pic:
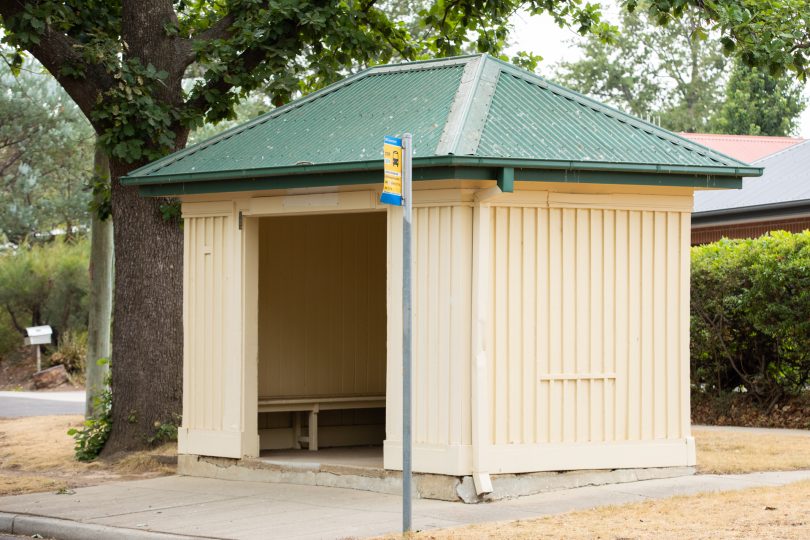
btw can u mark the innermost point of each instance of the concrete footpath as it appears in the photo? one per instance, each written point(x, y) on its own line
point(184, 507)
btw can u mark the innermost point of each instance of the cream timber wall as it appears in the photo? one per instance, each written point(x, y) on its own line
point(578, 338)
point(550, 331)
point(219, 327)
point(322, 305)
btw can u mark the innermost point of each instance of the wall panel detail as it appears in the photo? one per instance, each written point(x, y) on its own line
point(209, 271)
point(218, 352)
point(589, 313)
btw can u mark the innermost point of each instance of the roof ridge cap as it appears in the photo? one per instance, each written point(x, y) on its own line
point(460, 107)
point(782, 151)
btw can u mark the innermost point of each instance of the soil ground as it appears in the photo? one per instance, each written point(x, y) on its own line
point(17, 367)
point(741, 410)
point(36, 454)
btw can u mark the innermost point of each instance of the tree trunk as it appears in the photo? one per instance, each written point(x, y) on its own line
point(101, 282)
point(147, 317)
point(147, 364)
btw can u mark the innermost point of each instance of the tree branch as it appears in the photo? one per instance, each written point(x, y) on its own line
point(56, 49)
point(250, 59)
point(219, 30)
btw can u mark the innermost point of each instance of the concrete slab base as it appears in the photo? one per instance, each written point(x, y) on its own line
point(426, 486)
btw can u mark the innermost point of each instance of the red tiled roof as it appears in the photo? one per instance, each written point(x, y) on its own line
point(748, 148)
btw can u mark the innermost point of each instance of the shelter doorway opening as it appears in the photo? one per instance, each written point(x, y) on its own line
point(322, 336)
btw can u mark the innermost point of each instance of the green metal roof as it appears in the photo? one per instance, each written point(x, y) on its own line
point(473, 113)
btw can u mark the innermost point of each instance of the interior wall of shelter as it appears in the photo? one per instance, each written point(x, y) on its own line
point(322, 315)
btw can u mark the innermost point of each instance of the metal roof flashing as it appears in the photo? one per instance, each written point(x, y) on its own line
point(471, 115)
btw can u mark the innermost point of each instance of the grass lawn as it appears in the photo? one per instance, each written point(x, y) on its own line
point(780, 512)
point(36, 454)
point(726, 452)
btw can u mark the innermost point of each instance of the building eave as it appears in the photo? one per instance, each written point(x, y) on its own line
point(442, 167)
point(785, 209)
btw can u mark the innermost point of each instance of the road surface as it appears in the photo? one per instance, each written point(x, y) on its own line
point(17, 404)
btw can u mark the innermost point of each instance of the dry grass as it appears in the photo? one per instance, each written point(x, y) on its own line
point(781, 512)
point(36, 454)
point(723, 452)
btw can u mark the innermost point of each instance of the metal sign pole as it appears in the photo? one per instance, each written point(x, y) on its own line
point(406, 333)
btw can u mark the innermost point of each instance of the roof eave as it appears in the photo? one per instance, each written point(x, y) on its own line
point(437, 168)
point(760, 211)
point(443, 161)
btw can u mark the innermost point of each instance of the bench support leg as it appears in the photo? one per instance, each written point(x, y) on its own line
point(296, 422)
point(313, 429)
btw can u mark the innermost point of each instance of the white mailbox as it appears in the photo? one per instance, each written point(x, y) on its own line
point(38, 335)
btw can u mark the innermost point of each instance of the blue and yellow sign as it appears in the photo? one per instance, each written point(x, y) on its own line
point(392, 170)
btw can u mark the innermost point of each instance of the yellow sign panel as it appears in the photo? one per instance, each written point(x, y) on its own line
point(392, 168)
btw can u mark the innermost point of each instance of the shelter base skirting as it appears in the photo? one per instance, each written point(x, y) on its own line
point(523, 458)
point(454, 459)
point(530, 458)
point(427, 486)
point(230, 444)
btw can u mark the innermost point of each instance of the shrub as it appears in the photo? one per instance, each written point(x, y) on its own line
point(43, 284)
point(71, 352)
point(92, 436)
point(751, 316)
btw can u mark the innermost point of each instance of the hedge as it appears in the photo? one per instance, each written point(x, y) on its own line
point(750, 306)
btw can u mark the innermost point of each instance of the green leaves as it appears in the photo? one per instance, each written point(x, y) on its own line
point(92, 436)
point(773, 35)
point(668, 73)
point(751, 315)
point(134, 124)
point(45, 153)
point(757, 103)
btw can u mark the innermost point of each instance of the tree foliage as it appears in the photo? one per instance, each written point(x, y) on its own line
point(45, 145)
point(677, 75)
point(43, 284)
point(667, 73)
point(757, 103)
point(770, 34)
point(751, 316)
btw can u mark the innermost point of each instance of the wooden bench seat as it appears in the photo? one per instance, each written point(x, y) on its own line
point(313, 405)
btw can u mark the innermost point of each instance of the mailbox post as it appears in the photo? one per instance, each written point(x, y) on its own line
point(38, 335)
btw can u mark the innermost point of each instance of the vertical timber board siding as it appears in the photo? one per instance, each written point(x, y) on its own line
point(209, 275)
point(589, 322)
point(442, 303)
point(322, 307)
point(442, 284)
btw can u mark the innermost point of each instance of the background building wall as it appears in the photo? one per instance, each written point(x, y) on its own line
point(704, 234)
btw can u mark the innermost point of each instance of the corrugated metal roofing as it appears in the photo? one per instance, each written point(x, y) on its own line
point(786, 179)
point(338, 124)
point(530, 120)
point(747, 148)
point(467, 106)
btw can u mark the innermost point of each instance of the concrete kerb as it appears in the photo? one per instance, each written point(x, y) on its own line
point(66, 529)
